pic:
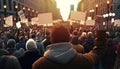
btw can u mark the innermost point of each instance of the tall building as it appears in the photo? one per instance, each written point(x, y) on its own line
point(100, 7)
point(30, 7)
point(44, 6)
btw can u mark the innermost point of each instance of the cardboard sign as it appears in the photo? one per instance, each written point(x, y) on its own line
point(90, 22)
point(45, 18)
point(117, 23)
point(74, 15)
point(9, 21)
point(18, 25)
point(21, 15)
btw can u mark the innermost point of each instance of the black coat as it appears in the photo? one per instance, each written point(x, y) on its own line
point(28, 58)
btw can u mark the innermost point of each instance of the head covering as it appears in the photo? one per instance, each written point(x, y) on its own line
point(59, 33)
point(11, 43)
point(31, 44)
point(1, 44)
point(74, 40)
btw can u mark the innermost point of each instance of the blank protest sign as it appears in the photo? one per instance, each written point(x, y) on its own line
point(9, 20)
point(45, 18)
point(74, 15)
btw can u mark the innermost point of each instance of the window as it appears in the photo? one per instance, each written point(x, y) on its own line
point(10, 5)
point(0, 4)
point(14, 3)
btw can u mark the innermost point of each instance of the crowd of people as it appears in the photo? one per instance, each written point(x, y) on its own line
point(58, 47)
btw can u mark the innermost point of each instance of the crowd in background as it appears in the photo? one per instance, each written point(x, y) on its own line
point(20, 48)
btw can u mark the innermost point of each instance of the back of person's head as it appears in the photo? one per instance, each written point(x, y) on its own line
point(109, 42)
point(59, 33)
point(117, 34)
point(75, 32)
point(75, 41)
point(31, 45)
point(9, 62)
point(11, 43)
point(1, 44)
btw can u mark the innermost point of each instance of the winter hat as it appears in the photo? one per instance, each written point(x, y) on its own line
point(11, 43)
point(31, 44)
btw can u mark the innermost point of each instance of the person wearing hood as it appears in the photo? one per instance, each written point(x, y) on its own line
point(61, 55)
point(7, 61)
point(75, 43)
point(11, 48)
point(31, 55)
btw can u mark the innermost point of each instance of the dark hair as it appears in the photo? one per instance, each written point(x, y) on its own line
point(11, 43)
point(75, 32)
point(59, 33)
point(1, 44)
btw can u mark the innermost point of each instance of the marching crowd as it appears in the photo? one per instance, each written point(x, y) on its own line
point(58, 47)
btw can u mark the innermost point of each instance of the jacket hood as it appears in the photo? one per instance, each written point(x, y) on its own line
point(3, 52)
point(60, 52)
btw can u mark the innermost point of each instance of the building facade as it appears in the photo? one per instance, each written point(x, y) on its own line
point(30, 7)
point(100, 7)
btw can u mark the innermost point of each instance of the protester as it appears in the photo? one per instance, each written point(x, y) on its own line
point(117, 61)
point(110, 55)
point(11, 48)
point(75, 43)
point(7, 61)
point(40, 45)
point(61, 55)
point(31, 55)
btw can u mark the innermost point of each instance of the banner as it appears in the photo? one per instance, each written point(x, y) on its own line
point(9, 21)
point(90, 22)
point(74, 15)
point(18, 25)
point(35, 20)
point(21, 15)
point(45, 18)
point(117, 23)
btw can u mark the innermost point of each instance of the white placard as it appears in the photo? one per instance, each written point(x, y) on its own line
point(45, 18)
point(21, 15)
point(25, 21)
point(9, 21)
point(117, 23)
point(74, 15)
point(34, 20)
point(89, 18)
point(90, 22)
point(18, 25)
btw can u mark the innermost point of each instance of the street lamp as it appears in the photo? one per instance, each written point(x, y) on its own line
point(108, 2)
point(92, 13)
point(96, 8)
point(5, 7)
point(23, 8)
point(36, 13)
point(33, 12)
point(16, 10)
point(29, 17)
point(28, 9)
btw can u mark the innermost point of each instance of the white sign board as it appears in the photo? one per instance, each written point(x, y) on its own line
point(9, 20)
point(45, 18)
point(90, 22)
point(18, 25)
point(89, 18)
point(21, 15)
point(117, 23)
point(34, 20)
point(74, 15)
point(25, 21)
